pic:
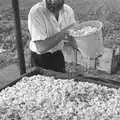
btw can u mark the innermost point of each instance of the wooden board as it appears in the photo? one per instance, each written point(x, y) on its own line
point(77, 77)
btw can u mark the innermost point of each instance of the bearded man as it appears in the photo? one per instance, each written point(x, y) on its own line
point(48, 24)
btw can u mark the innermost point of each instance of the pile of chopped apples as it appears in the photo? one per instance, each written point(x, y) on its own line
point(83, 31)
point(46, 98)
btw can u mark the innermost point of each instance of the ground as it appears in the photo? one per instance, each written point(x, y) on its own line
point(111, 29)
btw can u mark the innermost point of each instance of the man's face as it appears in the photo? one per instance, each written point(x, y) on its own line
point(54, 6)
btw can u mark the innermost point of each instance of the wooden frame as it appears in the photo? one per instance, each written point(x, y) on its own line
point(15, 5)
point(77, 77)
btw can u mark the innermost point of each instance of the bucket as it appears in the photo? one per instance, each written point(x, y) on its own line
point(89, 43)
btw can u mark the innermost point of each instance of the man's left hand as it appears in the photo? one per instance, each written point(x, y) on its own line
point(70, 41)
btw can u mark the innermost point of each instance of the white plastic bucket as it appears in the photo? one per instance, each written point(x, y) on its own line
point(90, 45)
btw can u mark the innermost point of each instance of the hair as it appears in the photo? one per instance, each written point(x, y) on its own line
point(54, 5)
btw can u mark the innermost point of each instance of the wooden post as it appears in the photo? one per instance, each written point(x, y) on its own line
point(20, 51)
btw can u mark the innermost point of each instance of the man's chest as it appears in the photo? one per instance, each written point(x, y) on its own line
point(54, 25)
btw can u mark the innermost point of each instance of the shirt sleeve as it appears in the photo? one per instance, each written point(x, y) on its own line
point(71, 16)
point(36, 26)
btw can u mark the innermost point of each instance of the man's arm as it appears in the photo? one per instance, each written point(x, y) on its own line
point(45, 45)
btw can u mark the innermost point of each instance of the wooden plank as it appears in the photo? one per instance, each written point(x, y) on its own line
point(15, 5)
point(77, 77)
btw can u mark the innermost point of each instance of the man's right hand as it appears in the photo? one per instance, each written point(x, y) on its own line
point(64, 32)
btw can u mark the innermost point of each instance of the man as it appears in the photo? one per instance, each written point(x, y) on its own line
point(48, 23)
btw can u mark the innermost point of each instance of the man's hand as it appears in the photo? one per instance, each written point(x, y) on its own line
point(65, 32)
point(70, 41)
point(66, 36)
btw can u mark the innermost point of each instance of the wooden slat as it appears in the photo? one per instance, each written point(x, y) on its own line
point(77, 77)
point(19, 43)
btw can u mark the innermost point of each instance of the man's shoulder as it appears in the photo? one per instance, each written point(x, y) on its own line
point(36, 8)
point(67, 8)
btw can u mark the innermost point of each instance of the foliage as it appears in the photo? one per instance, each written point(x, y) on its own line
point(8, 40)
point(7, 34)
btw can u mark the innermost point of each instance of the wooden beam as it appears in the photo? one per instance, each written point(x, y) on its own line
point(20, 50)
